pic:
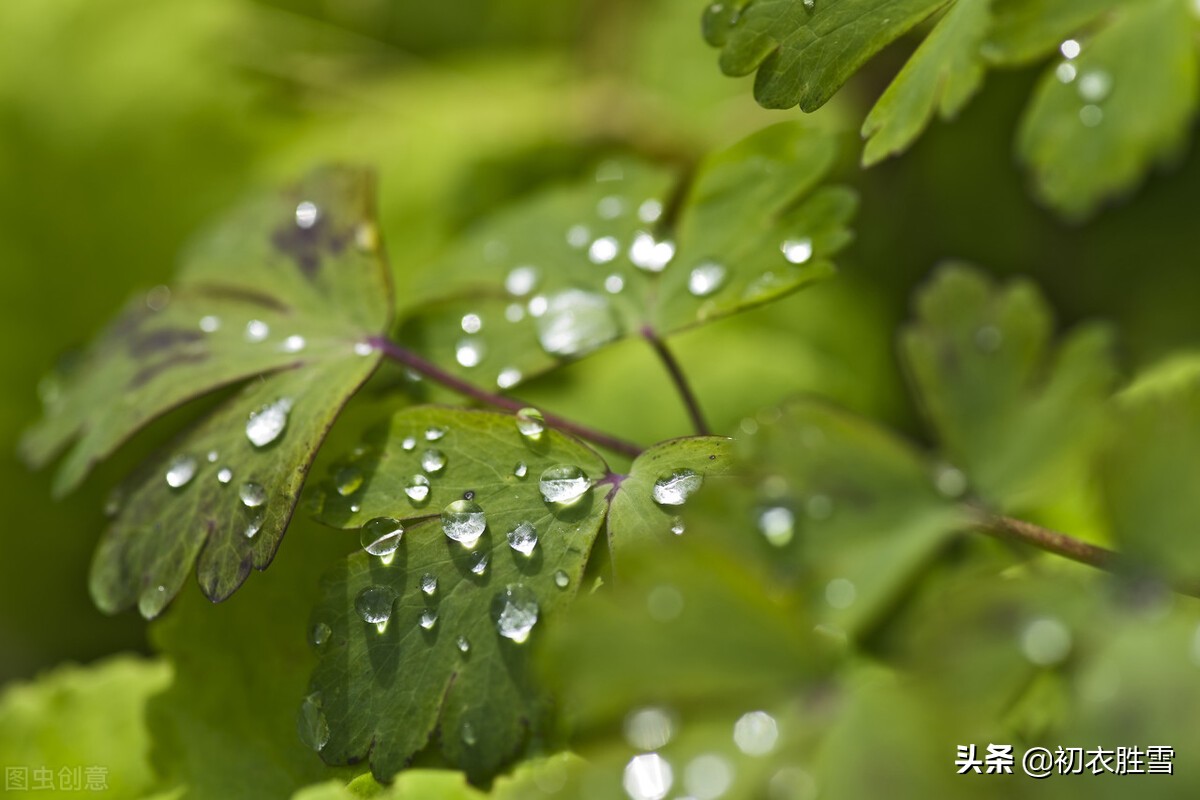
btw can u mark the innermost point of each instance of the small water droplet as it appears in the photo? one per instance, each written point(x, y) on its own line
point(677, 526)
point(433, 460)
point(514, 312)
point(381, 535)
point(705, 279)
point(307, 214)
point(434, 432)
point(650, 210)
point(810, 4)
point(1091, 115)
point(429, 584)
point(648, 777)
point(428, 619)
point(464, 522)
point(521, 469)
point(471, 323)
point(777, 524)
point(675, 487)
point(468, 734)
point(664, 603)
point(648, 728)
point(523, 538)
point(257, 330)
point(417, 489)
point(949, 481)
point(1070, 49)
point(311, 725)
point(348, 480)
point(374, 604)
point(797, 251)
point(210, 324)
point(464, 644)
point(508, 377)
point(756, 733)
point(516, 612)
point(578, 236)
point(531, 424)
point(469, 352)
point(614, 283)
point(650, 254)
point(363, 348)
point(520, 281)
point(180, 471)
point(1065, 72)
point(564, 484)
point(709, 776)
point(840, 593)
point(610, 207)
point(319, 634)
point(158, 298)
point(479, 564)
point(538, 305)
point(252, 494)
point(575, 322)
point(561, 579)
point(212, 456)
point(1046, 641)
point(152, 600)
point(409, 443)
point(268, 422)
point(603, 250)
point(255, 523)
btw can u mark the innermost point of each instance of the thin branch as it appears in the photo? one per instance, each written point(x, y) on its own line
point(403, 355)
point(679, 379)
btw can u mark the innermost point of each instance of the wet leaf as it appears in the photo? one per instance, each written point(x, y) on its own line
point(428, 643)
point(1024, 30)
point(285, 291)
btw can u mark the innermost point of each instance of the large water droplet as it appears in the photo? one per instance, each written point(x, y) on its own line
point(531, 423)
point(267, 423)
point(417, 489)
point(575, 322)
point(348, 480)
point(311, 725)
point(429, 584)
point(523, 538)
point(374, 604)
point(381, 536)
point(428, 619)
point(650, 254)
point(564, 484)
point(516, 612)
point(433, 460)
point(180, 471)
point(706, 279)
point(252, 494)
point(675, 487)
point(307, 214)
point(464, 522)
point(756, 733)
point(521, 281)
point(648, 777)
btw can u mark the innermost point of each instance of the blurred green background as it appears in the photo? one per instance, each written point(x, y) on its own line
point(126, 124)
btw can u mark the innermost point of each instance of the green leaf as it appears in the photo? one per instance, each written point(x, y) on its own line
point(1025, 30)
point(1127, 103)
point(1019, 418)
point(942, 75)
point(83, 725)
point(285, 291)
point(804, 50)
point(577, 268)
point(385, 687)
point(647, 504)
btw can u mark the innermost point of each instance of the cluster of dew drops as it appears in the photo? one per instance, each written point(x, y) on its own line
point(1093, 85)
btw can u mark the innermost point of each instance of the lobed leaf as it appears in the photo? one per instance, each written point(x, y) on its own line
point(285, 291)
point(630, 252)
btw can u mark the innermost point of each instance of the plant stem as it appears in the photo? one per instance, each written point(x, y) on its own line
point(680, 380)
point(408, 358)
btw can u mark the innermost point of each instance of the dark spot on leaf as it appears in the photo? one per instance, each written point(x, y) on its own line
point(162, 339)
point(468, 495)
point(146, 374)
point(306, 245)
point(238, 294)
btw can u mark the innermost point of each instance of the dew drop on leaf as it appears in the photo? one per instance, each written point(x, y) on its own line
point(516, 612)
point(706, 279)
point(531, 424)
point(479, 564)
point(777, 524)
point(409, 443)
point(381, 536)
point(614, 283)
point(468, 734)
point(417, 489)
point(428, 619)
point(677, 526)
point(210, 324)
point(650, 210)
point(429, 584)
point(471, 323)
point(433, 460)
point(521, 469)
point(561, 579)
point(267, 423)
point(756, 733)
point(648, 728)
point(374, 604)
point(348, 480)
point(564, 484)
point(252, 494)
point(293, 344)
point(255, 523)
point(311, 724)
point(257, 330)
point(469, 351)
point(224, 475)
point(650, 254)
point(464, 522)
point(578, 236)
point(523, 538)
point(306, 215)
point(521, 281)
point(648, 777)
point(709, 776)
point(508, 377)
point(797, 251)
point(180, 471)
point(319, 634)
point(603, 250)
point(1046, 641)
point(434, 432)
point(610, 207)
point(575, 322)
point(674, 488)
point(464, 644)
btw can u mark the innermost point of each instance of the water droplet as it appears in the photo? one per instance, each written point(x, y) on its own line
point(374, 604)
point(538, 305)
point(840, 593)
point(429, 584)
point(792, 783)
point(158, 298)
point(523, 538)
point(561, 579)
point(252, 494)
point(257, 330)
point(152, 600)
point(348, 480)
point(675, 487)
point(433, 460)
point(575, 322)
point(705, 279)
point(514, 312)
point(307, 214)
point(648, 777)
point(1070, 49)
point(649, 254)
point(609, 171)
point(610, 207)
point(479, 564)
point(255, 523)
point(777, 524)
point(469, 352)
point(531, 423)
point(564, 484)
point(1046, 641)
point(648, 728)
point(508, 377)
point(677, 526)
point(520, 282)
point(521, 469)
point(311, 725)
point(1091, 115)
point(210, 324)
point(471, 323)
point(409, 443)
point(464, 522)
point(1065, 72)
point(797, 251)
point(468, 734)
point(650, 210)
point(381, 536)
point(212, 456)
point(708, 776)
point(603, 250)
point(578, 236)
point(756, 733)
point(614, 283)
point(1094, 85)
point(319, 634)
point(417, 489)
point(180, 471)
point(363, 348)
point(516, 612)
point(293, 344)
point(464, 644)
point(434, 432)
point(427, 619)
point(265, 424)
point(810, 4)
point(949, 481)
